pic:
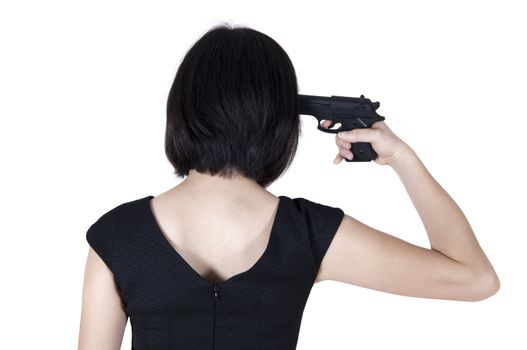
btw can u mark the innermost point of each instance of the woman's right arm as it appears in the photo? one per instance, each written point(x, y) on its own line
point(454, 268)
point(103, 319)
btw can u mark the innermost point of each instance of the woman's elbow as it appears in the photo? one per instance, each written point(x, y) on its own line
point(486, 287)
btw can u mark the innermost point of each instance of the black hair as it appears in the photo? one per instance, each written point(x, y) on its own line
point(232, 108)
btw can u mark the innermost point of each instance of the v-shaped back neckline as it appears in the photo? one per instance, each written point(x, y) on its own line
point(160, 235)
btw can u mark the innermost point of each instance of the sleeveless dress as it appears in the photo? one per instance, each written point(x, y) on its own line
point(171, 306)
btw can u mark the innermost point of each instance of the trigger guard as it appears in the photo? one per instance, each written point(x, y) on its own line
point(328, 129)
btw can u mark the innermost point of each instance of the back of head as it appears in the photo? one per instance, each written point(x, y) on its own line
point(232, 108)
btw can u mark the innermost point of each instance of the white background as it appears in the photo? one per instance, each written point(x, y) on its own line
point(83, 87)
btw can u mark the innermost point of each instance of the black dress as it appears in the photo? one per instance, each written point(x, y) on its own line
point(171, 306)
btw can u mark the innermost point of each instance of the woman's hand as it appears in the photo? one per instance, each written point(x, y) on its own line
point(386, 144)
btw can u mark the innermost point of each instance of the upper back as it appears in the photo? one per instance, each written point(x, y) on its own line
point(218, 241)
point(262, 305)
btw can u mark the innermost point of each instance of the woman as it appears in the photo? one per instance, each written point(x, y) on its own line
point(220, 262)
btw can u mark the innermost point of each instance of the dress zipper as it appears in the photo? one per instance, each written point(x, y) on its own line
point(216, 295)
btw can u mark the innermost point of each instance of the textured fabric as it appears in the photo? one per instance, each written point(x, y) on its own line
point(171, 306)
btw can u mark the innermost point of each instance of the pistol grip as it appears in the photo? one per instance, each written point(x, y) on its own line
point(362, 152)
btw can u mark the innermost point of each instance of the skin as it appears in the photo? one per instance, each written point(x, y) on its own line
point(205, 208)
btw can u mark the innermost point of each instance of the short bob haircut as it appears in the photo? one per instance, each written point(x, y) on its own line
point(232, 108)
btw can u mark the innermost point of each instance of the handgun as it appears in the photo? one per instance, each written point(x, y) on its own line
point(350, 112)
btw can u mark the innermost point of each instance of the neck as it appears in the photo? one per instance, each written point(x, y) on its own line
point(217, 187)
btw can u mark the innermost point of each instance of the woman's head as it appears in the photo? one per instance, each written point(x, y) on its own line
point(232, 108)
